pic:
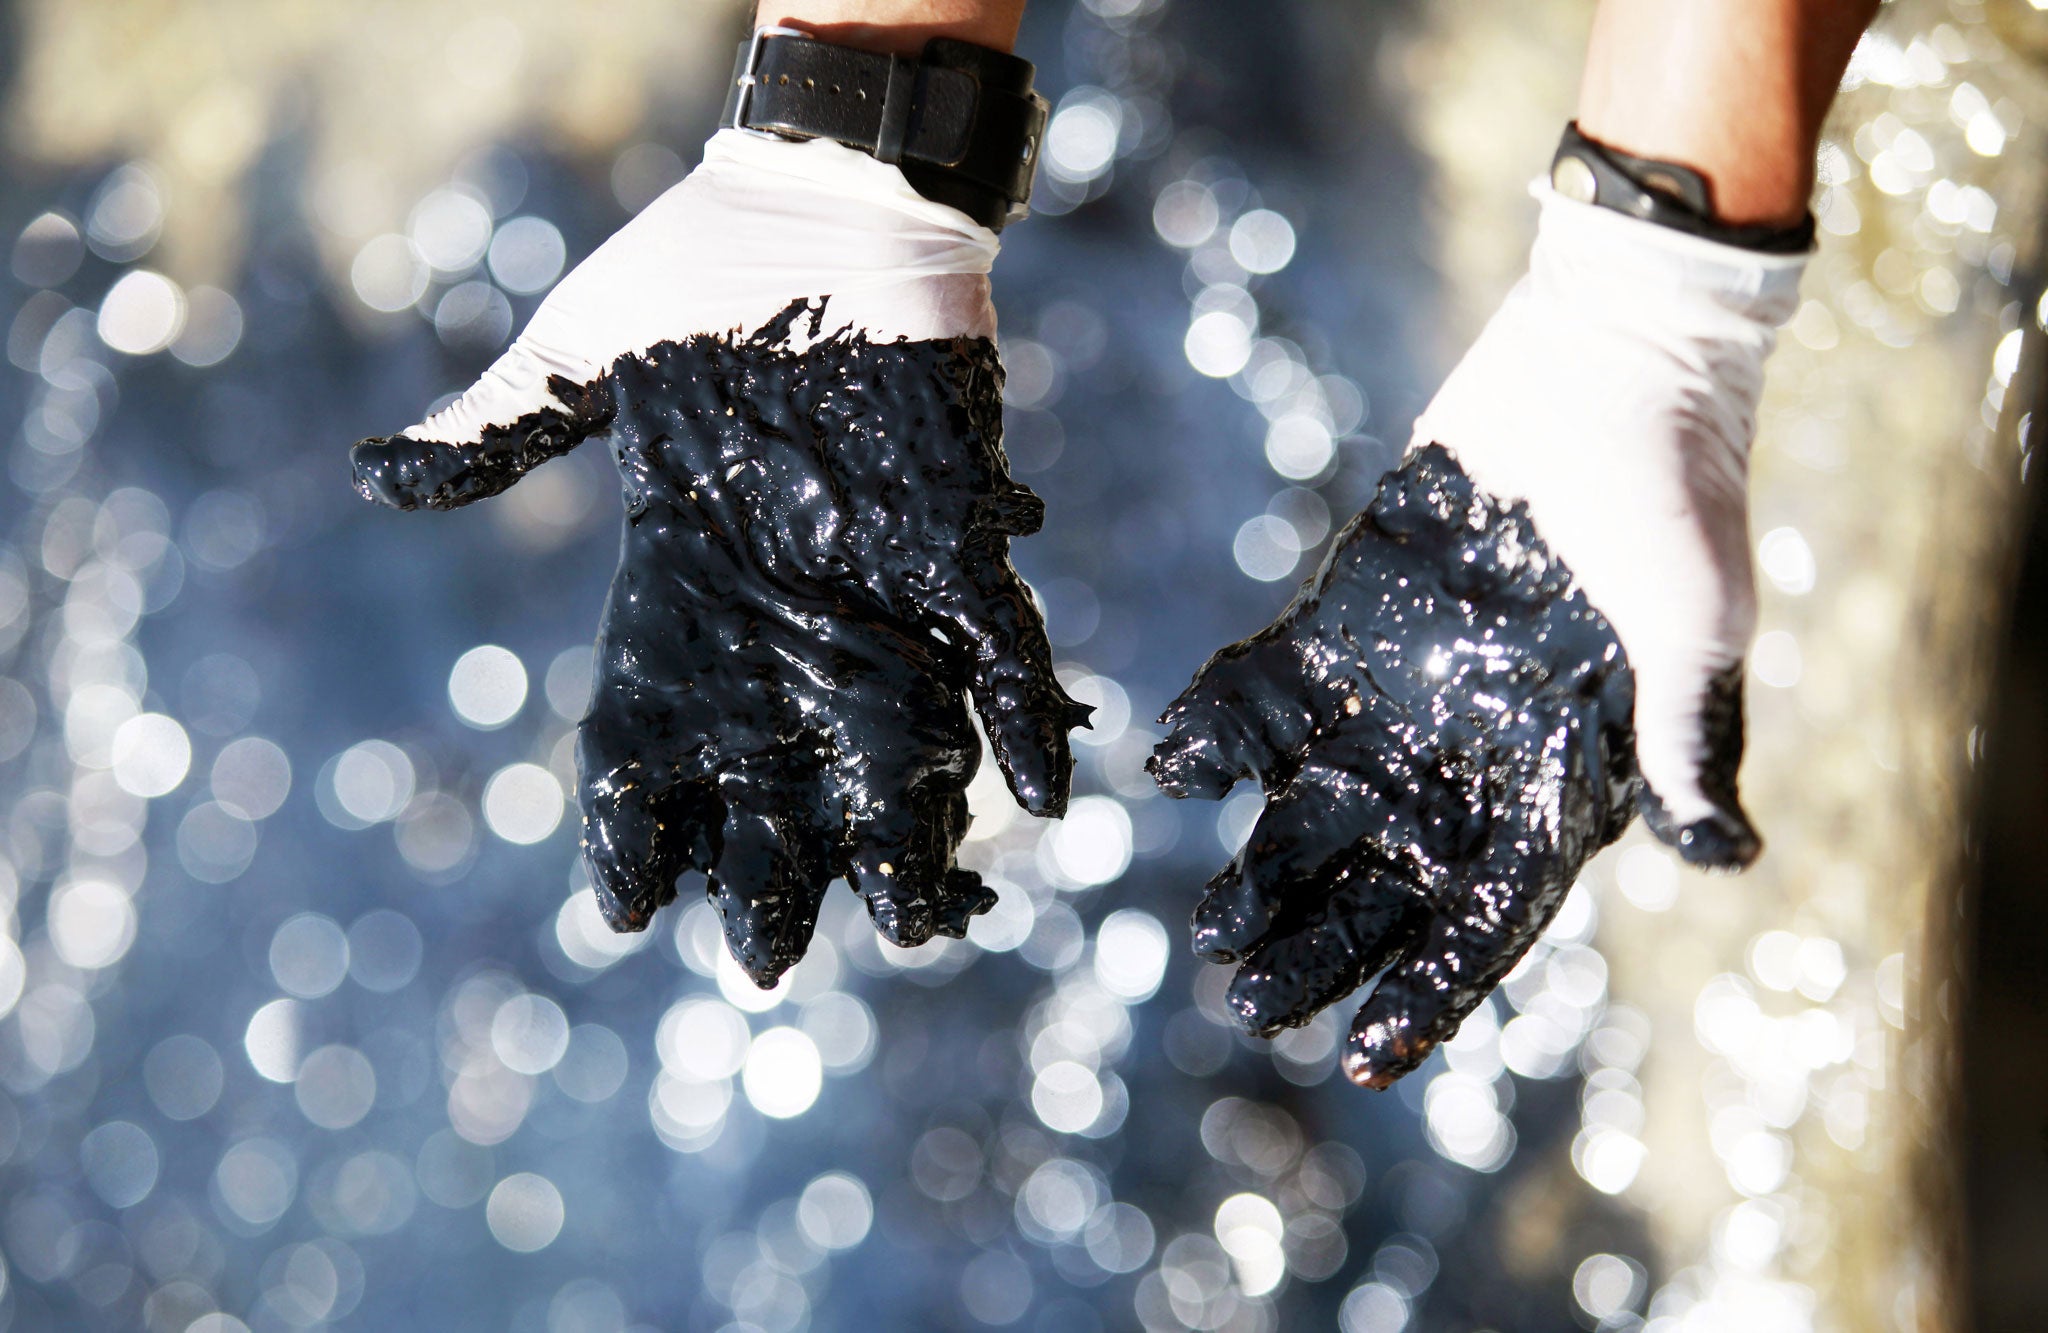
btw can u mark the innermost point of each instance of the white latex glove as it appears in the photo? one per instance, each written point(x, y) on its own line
point(759, 222)
point(1616, 392)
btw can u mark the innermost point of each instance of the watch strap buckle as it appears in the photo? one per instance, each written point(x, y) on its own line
point(745, 75)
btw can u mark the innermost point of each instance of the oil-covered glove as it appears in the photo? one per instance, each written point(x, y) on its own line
point(1440, 724)
point(791, 357)
point(1445, 722)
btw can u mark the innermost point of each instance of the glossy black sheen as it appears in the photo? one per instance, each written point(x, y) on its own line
point(1441, 726)
point(814, 576)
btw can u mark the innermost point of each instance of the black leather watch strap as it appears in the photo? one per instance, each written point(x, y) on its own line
point(961, 121)
point(1661, 192)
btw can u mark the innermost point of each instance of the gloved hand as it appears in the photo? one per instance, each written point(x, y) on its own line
point(1440, 724)
point(791, 357)
point(1442, 719)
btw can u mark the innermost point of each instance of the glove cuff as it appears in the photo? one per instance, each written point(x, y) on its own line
point(821, 167)
point(1585, 252)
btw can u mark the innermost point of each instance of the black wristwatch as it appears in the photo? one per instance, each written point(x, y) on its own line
point(961, 121)
point(1665, 193)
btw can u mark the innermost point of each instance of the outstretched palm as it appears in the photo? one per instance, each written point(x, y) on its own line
point(1441, 726)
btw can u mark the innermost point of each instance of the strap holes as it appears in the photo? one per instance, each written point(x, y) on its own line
point(784, 80)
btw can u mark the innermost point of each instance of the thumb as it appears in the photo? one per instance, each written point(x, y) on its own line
point(529, 407)
point(1246, 712)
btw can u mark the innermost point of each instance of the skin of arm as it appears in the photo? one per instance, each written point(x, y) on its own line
point(900, 27)
point(1734, 89)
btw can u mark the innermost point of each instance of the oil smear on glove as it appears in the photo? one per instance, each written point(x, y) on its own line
point(1440, 723)
point(814, 577)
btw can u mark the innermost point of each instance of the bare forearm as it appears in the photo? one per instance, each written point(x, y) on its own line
point(901, 26)
point(1735, 89)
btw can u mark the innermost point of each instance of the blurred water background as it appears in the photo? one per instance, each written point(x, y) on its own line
point(307, 1020)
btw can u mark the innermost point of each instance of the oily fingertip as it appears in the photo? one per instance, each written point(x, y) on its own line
point(1380, 1051)
point(1724, 840)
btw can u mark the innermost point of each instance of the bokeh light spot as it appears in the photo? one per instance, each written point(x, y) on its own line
point(525, 1212)
point(487, 686)
point(783, 1073)
point(523, 803)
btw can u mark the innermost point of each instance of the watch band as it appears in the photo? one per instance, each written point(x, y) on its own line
point(961, 121)
point(1661, 192)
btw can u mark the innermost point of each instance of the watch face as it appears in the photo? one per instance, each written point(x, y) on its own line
point(1572, 178)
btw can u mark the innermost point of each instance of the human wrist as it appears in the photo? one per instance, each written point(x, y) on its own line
point(1735, 90)
point(898, 27)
